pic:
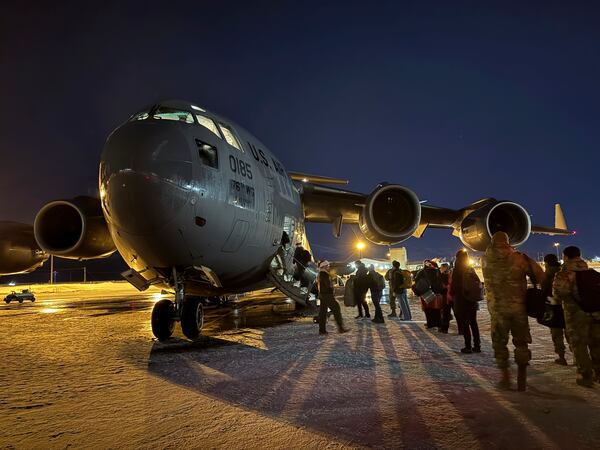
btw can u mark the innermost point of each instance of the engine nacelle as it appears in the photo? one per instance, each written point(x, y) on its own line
point(390, 215)
point(19, 253)
point(477, 228)
point(73, 229)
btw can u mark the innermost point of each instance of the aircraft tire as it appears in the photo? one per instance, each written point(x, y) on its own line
point(20, 300)
point(192, 317)
point(163, 319)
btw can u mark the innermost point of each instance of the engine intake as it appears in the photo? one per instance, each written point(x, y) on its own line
point(73, 229)
point(478, 227)
point(390, 215)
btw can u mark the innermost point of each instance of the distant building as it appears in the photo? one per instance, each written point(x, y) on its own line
point(400, 255)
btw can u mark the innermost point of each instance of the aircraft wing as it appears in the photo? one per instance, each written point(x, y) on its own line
point(392, 213)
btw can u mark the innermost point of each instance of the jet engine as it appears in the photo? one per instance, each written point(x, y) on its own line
point(19, 253)
point(74, 229)
point(391, 214)
point(477, 228)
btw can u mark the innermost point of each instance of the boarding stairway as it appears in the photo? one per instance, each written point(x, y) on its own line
point(281, 275)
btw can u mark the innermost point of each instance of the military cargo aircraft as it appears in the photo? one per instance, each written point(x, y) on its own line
point(195, 203)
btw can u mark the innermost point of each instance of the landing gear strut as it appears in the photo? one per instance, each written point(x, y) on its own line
point(188, 310)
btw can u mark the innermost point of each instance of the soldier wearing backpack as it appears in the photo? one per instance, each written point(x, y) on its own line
point(400, 280)
point(505, 274)
point(578, 289)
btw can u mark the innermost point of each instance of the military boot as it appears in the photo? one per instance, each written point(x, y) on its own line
point(522, 377)
point(561, 359)
point(585, 380)
point(504, 382)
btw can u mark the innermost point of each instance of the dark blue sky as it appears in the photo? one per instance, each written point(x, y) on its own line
point(456, 100)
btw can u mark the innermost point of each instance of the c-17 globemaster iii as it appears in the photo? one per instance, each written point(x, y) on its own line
point(195, 203)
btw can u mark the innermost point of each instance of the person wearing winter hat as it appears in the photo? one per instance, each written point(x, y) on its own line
point(505, 274)
point(328, 300)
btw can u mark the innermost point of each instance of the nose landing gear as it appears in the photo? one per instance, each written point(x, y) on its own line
point(188, 310)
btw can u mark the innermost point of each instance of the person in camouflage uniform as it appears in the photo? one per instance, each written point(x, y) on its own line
point(552, 266)
point(504, 273)
point(583, 328)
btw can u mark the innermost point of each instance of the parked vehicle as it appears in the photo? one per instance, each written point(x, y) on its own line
point(25, 294)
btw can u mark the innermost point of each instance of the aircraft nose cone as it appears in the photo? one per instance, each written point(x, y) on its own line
point(145, 176)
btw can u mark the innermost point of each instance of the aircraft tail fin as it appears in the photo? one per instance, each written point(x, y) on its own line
point(559, 218)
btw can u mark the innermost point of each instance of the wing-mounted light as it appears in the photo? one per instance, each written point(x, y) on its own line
point(73, 229)
point(477, 228)
point(390, 215)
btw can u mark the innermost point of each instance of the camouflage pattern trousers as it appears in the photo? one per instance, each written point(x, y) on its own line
point(584, 334)
point(515, 323)
point(558, 339)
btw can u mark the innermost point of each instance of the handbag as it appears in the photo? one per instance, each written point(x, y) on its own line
point(535, 302)
point(553, 317)
point(428, 296)
point(535, 298)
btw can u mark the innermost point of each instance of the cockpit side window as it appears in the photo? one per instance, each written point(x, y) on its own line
point(139, 116)
point(208, 154)
point(229, 135)
point(166, 113)
point(207, 122)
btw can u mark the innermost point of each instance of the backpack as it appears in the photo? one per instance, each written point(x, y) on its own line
point(398, 280)
point(472, 290)
point(406, 282)
point(588, 286)
point(421, 285)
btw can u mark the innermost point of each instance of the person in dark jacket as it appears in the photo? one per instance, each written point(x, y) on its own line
point(552, 267)
point(302, 258)
point(328, 300)
point(431, 273)
point(463, 276)
point(446, 311)
point(361, 286)
point(376, 285)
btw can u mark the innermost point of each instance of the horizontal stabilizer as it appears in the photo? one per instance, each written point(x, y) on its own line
point(307, 178)
point(537, 229)
point(560, 225)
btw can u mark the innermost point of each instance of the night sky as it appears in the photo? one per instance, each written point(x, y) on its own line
point(456, 100)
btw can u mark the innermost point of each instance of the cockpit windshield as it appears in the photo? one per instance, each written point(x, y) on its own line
point(166, 113)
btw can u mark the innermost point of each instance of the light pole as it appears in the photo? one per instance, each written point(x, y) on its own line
point(556, 245)
point(360, 246)
point(51, 269)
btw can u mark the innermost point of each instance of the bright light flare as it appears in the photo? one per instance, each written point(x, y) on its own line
point(360, 245)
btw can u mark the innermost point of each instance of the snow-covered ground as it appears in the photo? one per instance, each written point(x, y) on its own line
point(80, 369)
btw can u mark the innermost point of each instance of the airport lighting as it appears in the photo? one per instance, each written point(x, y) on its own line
point(360, 247)
point(556, 246)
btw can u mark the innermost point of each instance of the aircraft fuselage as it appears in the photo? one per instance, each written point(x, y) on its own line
point(183, 188)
